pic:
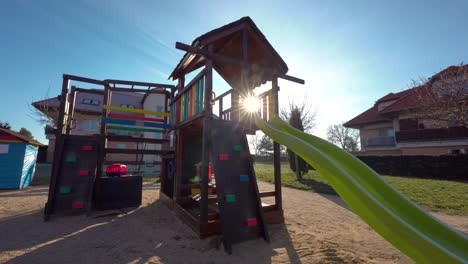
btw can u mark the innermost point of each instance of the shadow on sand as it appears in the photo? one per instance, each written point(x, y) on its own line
point(149, 234)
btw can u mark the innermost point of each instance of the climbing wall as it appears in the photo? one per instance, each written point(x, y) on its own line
point(238, 197)
point(77, 172)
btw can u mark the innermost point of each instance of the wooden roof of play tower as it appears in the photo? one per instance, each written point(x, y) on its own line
point(228, 42)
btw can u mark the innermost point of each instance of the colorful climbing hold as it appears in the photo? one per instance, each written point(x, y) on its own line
point(64, 190)
point(223, 157)
point(251, 222)
point(244, 178)
point(238, 148)
point(230, 198)
point(87, 148)
point(84, 173)
point(77, 205)
point(70, 159)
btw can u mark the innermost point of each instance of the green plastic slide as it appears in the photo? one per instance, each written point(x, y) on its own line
point(392, 215)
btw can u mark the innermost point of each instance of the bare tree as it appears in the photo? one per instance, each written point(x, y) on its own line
point(443, 97)
point(308, 114)
point(43, 113)
point(344, 137)
point(254, 141)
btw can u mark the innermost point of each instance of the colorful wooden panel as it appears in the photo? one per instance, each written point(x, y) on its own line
point(139, 118)
point(189, 103)
point(135, 110)
point(83, 173)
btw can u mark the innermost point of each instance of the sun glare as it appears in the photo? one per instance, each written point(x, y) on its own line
point(251, 104)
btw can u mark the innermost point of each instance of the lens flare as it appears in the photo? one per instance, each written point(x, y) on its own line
point(251, 104)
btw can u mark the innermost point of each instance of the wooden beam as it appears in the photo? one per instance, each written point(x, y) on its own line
point(48, 210)
point(82, 79)
point(267, 194)
point(71, 110)
point(206, 143)
point(254, 67)
point(134, 139)
point(147, 84)
point(222, 95)
point(276, 149)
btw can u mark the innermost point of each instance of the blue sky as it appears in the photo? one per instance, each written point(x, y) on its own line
point(350, 53)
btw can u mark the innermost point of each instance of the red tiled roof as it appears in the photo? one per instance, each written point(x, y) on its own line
point(371, 115)
point(404, 100)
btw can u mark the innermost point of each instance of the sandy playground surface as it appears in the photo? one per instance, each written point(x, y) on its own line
point(318, 229)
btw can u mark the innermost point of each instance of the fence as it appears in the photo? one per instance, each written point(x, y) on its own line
point(448, 167)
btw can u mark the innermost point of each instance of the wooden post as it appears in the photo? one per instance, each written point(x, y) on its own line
point(178, 164)
point(103, 139)
point(234, 116)
point(178, 147)
point(58, 149)
point(206, 145)
point(71, 110)
point(221, 108)
point(276, 149)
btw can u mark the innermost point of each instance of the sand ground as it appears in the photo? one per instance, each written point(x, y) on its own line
point(318, 229)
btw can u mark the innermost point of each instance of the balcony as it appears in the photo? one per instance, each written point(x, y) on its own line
point(435, 134)
point(386, 141)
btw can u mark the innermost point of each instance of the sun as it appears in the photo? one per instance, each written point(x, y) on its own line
point(251, 103)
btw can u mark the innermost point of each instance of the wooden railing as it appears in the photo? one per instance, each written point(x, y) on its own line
point(265, 110)
point(189, 102)
point(450, 133)
point(224, 114)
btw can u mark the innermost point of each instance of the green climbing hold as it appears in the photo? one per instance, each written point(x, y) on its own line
point(230, 198)
point(238, 148)
point(70, 159)
point(65, 190)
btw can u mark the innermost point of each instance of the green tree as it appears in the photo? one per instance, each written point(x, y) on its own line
point(23, 131)
point(297, 164)
point(265, 146)
point(5, 125)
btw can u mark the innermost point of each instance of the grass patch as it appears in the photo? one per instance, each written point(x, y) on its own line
point(435, 195)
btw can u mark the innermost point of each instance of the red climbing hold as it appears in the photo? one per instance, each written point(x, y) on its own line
point(77, 205)
point(251, 222)
point(84, 173)
point(223, 157)
point(87, 148)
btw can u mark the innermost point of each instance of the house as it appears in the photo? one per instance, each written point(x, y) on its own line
point(17, 159)
point(390, 127)
point(88, 107)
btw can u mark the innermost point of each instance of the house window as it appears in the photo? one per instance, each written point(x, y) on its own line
point(87, 101)
point(89, 125)
point(386, 132)
point(127, 105)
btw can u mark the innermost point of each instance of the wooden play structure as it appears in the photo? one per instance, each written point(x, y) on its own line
point(207, 175)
